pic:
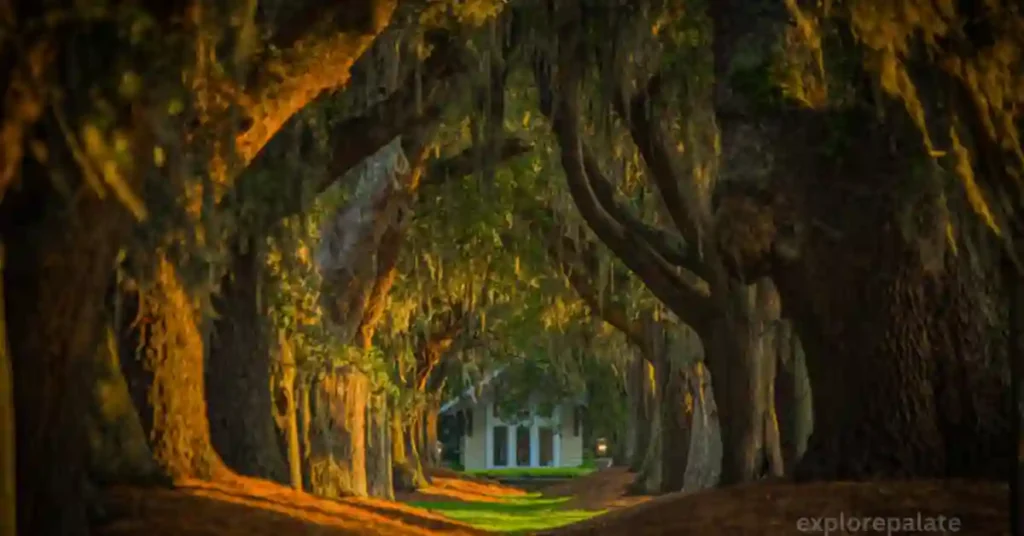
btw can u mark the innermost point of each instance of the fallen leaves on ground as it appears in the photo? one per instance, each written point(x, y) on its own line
point(251, 507)
point(446, 486)
point(607, 489)
point(776, 508)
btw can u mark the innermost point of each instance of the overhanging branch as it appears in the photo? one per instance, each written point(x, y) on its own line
point(564, 253)
point(689, 303)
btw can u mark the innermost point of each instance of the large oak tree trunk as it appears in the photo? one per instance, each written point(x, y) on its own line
point(792, 397)
point(676, 407)
point(118, 449)
point(8, 484)
point(286, 409)
point(731, 354)
point(378, 449)
point(648, 478)
point(1015, 287)
point(408, 474)
point(167, 379)
point(428, 447)
point(238, 376)
point(59, 266)
point(891, 317)
point(338, 442)
point(640, 392)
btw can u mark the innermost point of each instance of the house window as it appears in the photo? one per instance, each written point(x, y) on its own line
point(546, 436)
point(469, 422)
point(500, 446)
point(577, 420)
point(522, 446)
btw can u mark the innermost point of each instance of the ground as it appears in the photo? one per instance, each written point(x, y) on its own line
point(250, 507)
point(596, 504)
point(776, 509)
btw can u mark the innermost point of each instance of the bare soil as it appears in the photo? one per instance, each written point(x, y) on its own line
point(776, 509)
point(449, 486)
point(251, 507)
point(601, 490)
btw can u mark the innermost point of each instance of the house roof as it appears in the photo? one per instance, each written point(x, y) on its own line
point(470, 392)
point(480, 391)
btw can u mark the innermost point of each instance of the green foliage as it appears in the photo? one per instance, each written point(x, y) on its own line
point(292, 298)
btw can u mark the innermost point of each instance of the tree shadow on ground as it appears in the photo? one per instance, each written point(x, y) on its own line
point(783, 508)
point(250, 507)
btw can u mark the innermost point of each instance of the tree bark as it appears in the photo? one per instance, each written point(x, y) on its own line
point(305, 421)
point(56, 277)
point(238, 376)
point(640, 392)
point(905, 326)
point(428, 451)
point(1015, 285)
point(378, 449)
point(167, 379)
point(730, 347)
point(648, 479)
point(286, 409)
point(408, 469)
point(118, 449)
point(338, 442)
point(792, 398)
point(676, 406)
point(8, 483)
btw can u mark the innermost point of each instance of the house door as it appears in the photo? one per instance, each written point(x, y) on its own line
point(522, 446)
point(546, 438)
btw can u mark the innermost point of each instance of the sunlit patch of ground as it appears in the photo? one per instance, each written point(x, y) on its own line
point(494, 507)
point(447, 486)
point(250, 507)
point(776, 509)
point(525, 514)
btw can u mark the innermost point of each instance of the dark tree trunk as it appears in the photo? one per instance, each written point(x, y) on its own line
point(731, 355)
point(792, 398)
point(338, 439)
point(1015, 286)
point(304, 388)
point(59, 266)
point(640, 392)
point(238, 376)
point(378, 449)
point(8, 462)
point(167, 379)
point(118, 449)
point(676, 406)
point(891, 317)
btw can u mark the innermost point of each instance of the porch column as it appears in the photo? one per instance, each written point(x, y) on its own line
point(534, 444)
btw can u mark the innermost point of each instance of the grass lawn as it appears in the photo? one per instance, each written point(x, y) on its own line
point(512, 515)
point(533, 472)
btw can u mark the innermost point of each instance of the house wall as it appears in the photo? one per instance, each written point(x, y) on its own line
point(571, 454)
point(474, 448)
point(477, 449)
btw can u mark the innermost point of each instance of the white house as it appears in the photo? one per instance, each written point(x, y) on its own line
point(532, 440)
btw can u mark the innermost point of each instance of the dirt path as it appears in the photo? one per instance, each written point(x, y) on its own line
point(776, 509)
point(603, 490)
